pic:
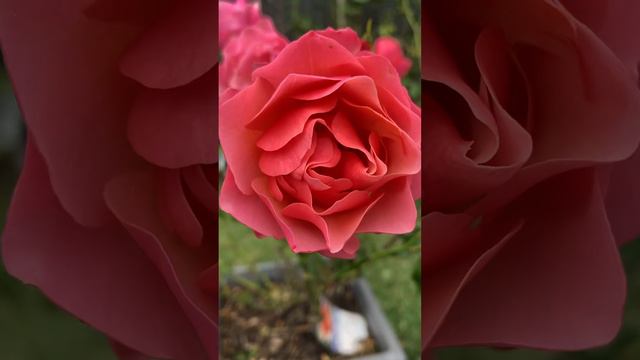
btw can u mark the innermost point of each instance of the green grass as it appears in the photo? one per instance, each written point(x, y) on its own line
point(390, 278)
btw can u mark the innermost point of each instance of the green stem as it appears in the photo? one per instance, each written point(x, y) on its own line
point(313, 276)
point(385, 253)
point(414, 24)
point(341, 13)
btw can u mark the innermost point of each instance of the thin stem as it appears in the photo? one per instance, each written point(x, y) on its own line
point(414, 24)
point(393, 251)
point(341, 13)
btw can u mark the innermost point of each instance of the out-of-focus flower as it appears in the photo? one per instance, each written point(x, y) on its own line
point(234, 16)
point(531, 120)
point(324, 144)
point(114, 215)
point(391, 48)
point(255, 46)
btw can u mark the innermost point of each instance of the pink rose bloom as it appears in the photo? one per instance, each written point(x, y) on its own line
point(391, 48)
point(234, 16)
point(255, 46)
point(114, 216)
point(324, 144)
point(533, 119)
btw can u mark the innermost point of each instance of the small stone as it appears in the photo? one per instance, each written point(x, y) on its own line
point(264, 331)
point(275, 344)
point(253, 322)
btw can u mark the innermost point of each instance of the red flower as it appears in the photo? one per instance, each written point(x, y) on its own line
point(529, 115)
point(390, 48)
point(236, 16)
point(113, 217)
point(322, 145)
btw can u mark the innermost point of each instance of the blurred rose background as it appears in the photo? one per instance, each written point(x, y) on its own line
point(31, 327)
point(626, 346)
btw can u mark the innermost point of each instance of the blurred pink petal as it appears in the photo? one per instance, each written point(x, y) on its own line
point(234, 16)
point(176, 49)
point(391, 48)
point(177, 127)
point(255, 46)
point(40, 236)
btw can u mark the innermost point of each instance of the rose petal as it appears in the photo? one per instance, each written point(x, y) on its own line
point(236, 140)
point(615, 22)
point(178, 127)
point(291, 121)
point(311, 54)
point(391, 48)
point(83, 125)
point(453, 257)
point(623, 199)
point(301, 236)
point(337, 224)
point(286, 159)
point(439, 67)
point(607, 92)
point(177, 49)
point(403, 154)
point(346, 37)
point(198, 184)
point(126, 299)
point(236, 16)
point(132, 198)
point(568, 216)
point(349, 250)
point(135, 12)
point(255, 46)
point(394, 213)
point(176, 210)
point(248, 209)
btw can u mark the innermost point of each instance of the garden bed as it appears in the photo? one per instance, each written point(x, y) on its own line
point(269, 314)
